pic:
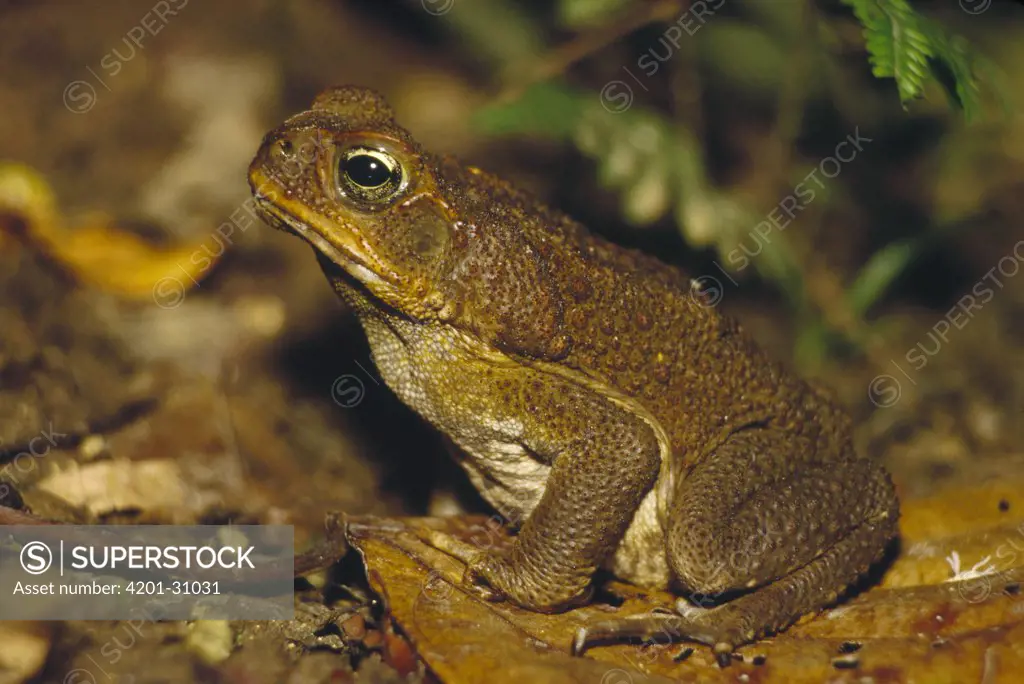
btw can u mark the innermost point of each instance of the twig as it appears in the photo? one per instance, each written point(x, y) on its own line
point(561, 58)
point(10, 516)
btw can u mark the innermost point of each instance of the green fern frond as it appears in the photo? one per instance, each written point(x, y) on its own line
point(956, 53)
point(905, 46)
point(897, 45)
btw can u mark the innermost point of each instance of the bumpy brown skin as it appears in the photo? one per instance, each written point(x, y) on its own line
point(597, 399)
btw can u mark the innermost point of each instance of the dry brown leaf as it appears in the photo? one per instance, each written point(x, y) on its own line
point(915, 625)
point(23, 650)
point(97, 253)
point(120, 485)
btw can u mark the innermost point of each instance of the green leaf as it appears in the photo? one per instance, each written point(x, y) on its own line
point(908, 47)
point(885, 265)
point(878, 273)
point(955, 52)
point(583, 13)
point(897, 46)
point(547, 109)
point(812, 343)
point(745, 54)
point(777, 264)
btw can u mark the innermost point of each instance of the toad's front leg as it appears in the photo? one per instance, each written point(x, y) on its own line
point(596, 483)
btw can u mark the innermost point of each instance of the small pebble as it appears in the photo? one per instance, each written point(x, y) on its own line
point(354, 627)
point(846, 662)
point(92, 447)
point(373, 639)
point(211, 640)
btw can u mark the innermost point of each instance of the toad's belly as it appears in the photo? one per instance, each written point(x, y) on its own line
point(507, 477)
point(641, 557)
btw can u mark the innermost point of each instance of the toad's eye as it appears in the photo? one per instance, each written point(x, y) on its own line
point(369, 175)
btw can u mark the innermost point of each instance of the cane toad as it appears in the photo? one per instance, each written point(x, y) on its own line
point(596, 396)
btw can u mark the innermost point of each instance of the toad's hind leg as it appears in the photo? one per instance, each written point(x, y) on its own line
point(762, 513)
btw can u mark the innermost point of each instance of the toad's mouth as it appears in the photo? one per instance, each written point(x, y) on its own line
point(348, 257)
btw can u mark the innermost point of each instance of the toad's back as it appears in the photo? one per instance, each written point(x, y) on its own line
point(653, 334)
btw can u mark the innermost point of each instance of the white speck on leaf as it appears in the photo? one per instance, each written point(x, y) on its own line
point(979, 569)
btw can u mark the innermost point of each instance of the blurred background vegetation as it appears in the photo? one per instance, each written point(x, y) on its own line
point(718, 110)
point(687, 128)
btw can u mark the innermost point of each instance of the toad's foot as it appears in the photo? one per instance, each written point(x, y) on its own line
point(495, 576)
point(689, 624)
point(470, 555)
